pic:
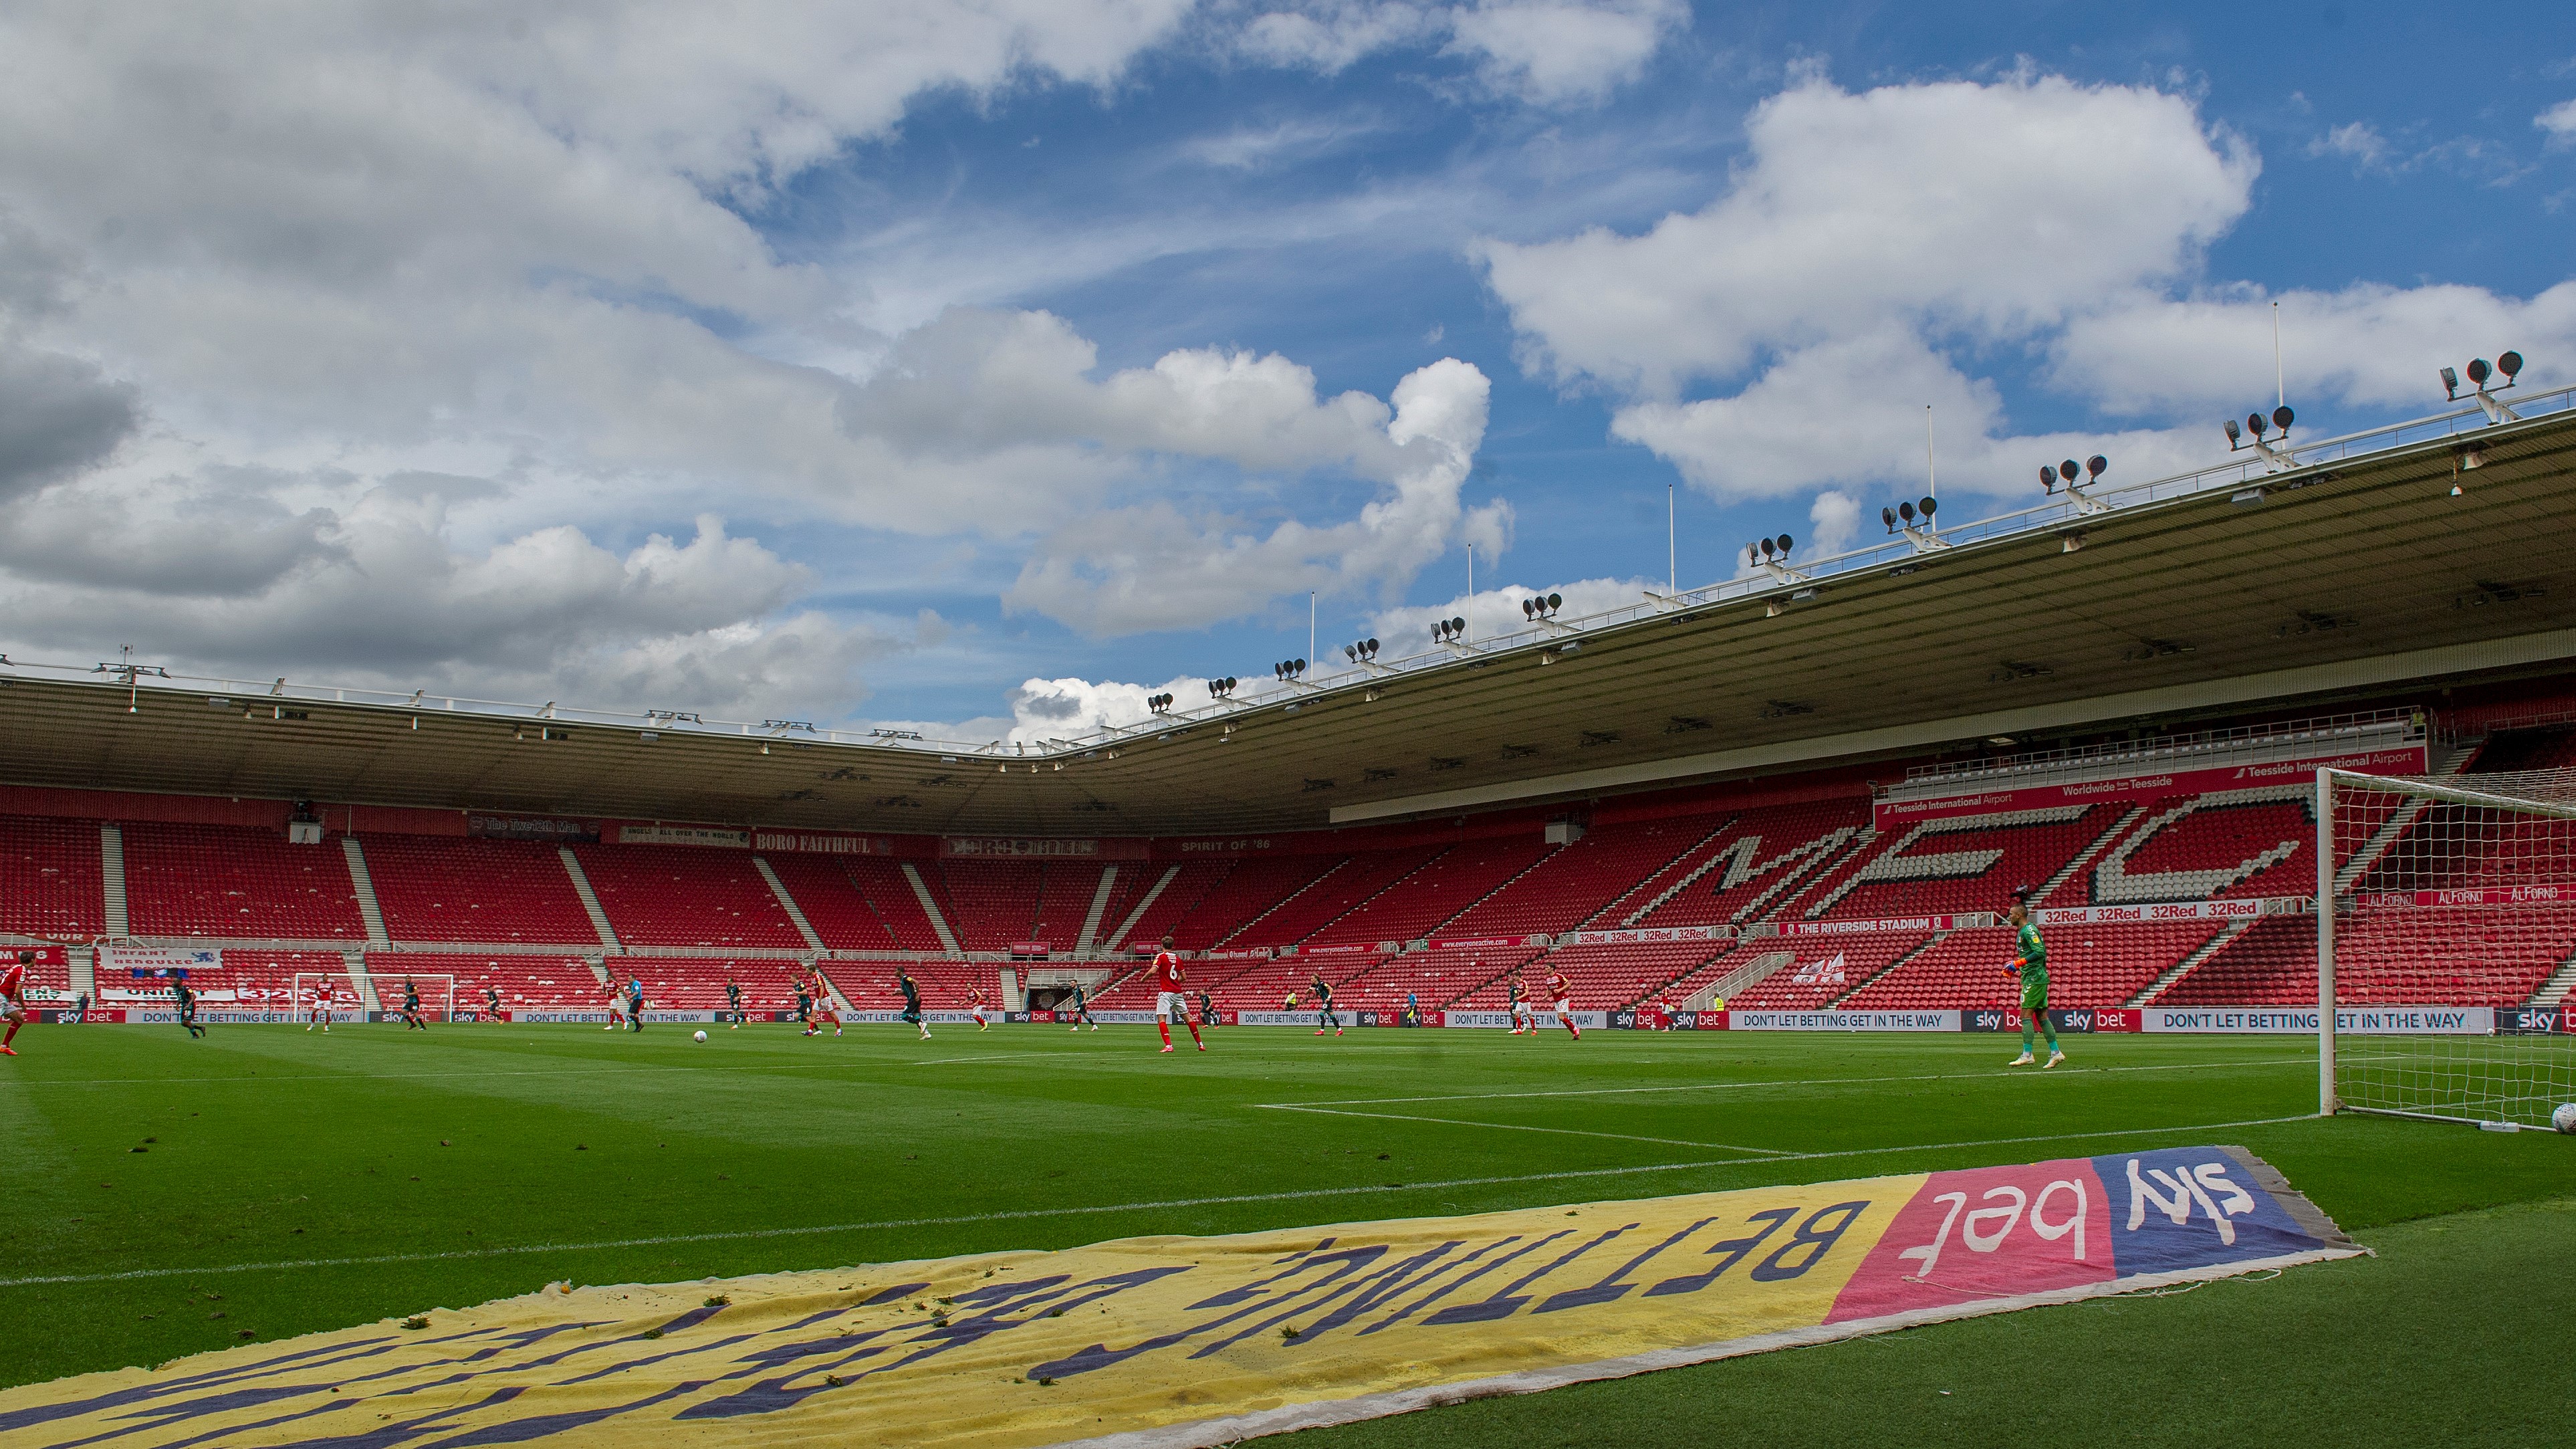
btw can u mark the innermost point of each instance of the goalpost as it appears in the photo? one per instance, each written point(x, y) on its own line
point(349, 1003)
point(2445, 945)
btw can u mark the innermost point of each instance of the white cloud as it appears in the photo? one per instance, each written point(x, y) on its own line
point(2560, 122)
point(2356, 141)
point(1556, 51)
point(264, 269)
point(1833, 521)
point(1989, 209)
point(2368, 344)
point(1151, 566)
point(1876, 252)
point(1066, 709)
point(1547, 52)
point(1492, 613)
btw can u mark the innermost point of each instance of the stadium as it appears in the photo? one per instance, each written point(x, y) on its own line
point(1348, 724)
point(1764, 833)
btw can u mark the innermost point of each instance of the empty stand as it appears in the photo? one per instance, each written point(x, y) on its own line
point(1567, 889)
point(526, 983)
point(1764, 855)
point(1954, 866)
point(439, 889)
point(678, 895)
point(1821, 969)
point(1333, 896)
point(223, 881)
point(2465, 956)
point(991, 904)
point(856, 903)
point(1440, 888)
point(2088, 965)
point(1239, 897)
point(50, 879)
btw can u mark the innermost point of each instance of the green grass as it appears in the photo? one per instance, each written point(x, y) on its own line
point(372, 1173)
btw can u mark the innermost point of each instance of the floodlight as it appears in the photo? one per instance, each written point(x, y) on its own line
point(1929, 506)
point(2096, 465)
point(2451, 383)
point(2233, 435)
point(1457, 626)
point(1765, 546)
point(2510, 364)
point(1904, 511)
point(2047, 478)
point(2478, 371)
point(1888, 516)
point(1784, 543)
point(2282, 417)
point(2066, 470)
point(1555, 602)
point(2254, 424)
point(1370, 646)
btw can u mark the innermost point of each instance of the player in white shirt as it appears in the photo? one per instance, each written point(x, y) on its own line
point(1169, 1001)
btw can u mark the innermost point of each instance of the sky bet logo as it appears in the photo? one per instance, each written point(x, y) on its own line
point(2532, 1021)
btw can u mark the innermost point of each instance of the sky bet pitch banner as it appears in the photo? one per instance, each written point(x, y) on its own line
point(1197, 1341)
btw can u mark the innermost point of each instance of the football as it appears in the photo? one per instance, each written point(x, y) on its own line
point(2564, 1119)
point(702, 1036)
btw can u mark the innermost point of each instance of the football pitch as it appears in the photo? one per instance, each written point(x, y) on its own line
point(288, 1181)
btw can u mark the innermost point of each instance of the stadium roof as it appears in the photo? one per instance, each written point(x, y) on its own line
point(2357, 571)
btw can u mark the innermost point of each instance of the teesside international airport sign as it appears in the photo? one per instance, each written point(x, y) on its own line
point(2158, 785)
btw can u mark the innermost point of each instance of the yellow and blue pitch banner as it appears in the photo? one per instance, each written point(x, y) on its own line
point(1178, 1341)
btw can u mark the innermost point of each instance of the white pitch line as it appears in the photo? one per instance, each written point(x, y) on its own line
point(1986, 1074)
point(1524, 1127)
point(754, 1234)
point(999, 1057)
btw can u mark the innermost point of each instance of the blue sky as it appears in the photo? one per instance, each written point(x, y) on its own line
point(986, 368)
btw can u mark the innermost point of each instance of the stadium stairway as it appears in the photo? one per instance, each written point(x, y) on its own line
point(589, 899)
point(1144, 903)
point(1090, 934)
point(362, 884)
point(1284, 902)
point(2554, 990)
point(1690, 877)
point(1903, 959)
point(111, 860)
point(1826, 858)
point(787, 903)
point(2183, 967)
point(2084, 858)
point(930, 908)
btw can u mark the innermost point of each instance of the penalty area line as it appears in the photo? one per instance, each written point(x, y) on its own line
point(1363, 1189)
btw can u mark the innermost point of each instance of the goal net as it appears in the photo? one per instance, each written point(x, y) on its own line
point(347, 1000)
point(2448, 947)
point(334, 991)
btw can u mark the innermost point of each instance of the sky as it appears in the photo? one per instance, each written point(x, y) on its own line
point(984, 369)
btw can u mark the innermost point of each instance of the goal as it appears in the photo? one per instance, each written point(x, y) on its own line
point(2446, 945)
point(349, 1000)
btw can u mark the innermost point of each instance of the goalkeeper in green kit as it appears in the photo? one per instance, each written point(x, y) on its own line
point(2030, 963)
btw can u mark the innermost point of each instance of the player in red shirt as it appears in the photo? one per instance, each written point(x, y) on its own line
point(975, 1007)
point(320, 1014)
point(13, 998)
point(1560, 995)
point(1169, 1000)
